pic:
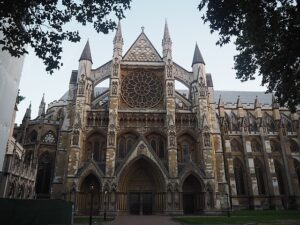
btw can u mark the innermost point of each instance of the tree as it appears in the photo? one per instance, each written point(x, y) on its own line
point(40, 24)
point(267, 36)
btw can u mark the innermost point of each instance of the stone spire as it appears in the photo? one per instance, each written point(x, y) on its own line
point(197, 56)
point(86, 53)
point(257, 109)
point(256, 103)
point(42, 107)
point(221, 102)
point(118, 36)
point(167, 38)
point(118, 43)
point(275, 109)
point(239, 103)
point(27, 113)
point(221, 109)
point(239, 106)
point(167, 43)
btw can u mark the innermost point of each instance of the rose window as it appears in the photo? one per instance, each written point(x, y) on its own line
point(141, 89)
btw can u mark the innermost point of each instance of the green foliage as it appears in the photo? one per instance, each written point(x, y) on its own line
point(40, 24)
point(267, 36)
point(19, 97)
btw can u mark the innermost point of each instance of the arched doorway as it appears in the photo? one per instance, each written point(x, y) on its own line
point(89, 195)
point(141, 188)
point(192, 195)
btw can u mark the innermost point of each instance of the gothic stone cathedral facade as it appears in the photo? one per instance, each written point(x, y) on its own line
point(143, 147)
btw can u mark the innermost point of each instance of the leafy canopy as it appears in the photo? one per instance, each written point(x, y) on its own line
point(40, 24)
point(267, 36)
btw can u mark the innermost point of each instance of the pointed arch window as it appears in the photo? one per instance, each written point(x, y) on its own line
point(96, 148)
point(297, 169)
point(256, 146)
point(270, 123)
point(260, 176)
point(122, 148)
point(125, 144)
point(294, 147)
point(96, 151)
point(33, 136)
point(161, 149)
point(44, 174)
point(130, 142)
point(49, 138)
point(252, 123)
point(236, 146)
point(275, 146)
point(153, 144)
point(235, 123)
point(157, 144)
point(239, 175)
point(280, 177)
point(186, 151)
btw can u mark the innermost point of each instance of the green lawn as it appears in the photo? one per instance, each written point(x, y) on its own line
point(243, 217)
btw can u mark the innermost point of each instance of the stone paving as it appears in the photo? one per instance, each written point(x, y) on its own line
point(142, 220)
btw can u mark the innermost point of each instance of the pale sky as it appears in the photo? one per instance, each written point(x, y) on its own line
point(185, 26)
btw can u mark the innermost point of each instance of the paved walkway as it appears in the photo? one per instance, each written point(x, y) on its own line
point(142, 220)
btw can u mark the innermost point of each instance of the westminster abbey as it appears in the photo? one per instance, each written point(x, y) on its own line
point(141, 146)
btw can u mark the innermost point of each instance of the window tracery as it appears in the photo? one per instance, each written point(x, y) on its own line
point(96, 146)
point(239, 175)
point(256, 146)
point(275, 146)
point(186, 149)
point(49, 138)
point(142, 89)
point(158, 144)
point(125, 144)
point(236, 146)
point(259, 172)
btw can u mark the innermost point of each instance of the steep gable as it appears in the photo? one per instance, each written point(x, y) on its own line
point(142, 50)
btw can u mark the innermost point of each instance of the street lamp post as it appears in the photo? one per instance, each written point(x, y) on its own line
point(105, 202)
point(91, 209)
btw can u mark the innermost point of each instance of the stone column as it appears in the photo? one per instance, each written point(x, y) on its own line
point(170, 118)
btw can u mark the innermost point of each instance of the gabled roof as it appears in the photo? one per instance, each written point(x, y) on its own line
point(142, 50)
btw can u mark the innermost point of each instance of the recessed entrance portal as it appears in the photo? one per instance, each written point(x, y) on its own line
point(141, 203)
point(88, 196)
point(141, 189)
point(192, 196)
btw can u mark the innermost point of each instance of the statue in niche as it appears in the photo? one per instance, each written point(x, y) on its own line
point(81, 85)
point(169, 69)
point(206, 140)
point(75, 140)
point(112, 118)
point(114, 87)
point(115, 70)
point(172, 138)
point(170, 88)
point(111, 138)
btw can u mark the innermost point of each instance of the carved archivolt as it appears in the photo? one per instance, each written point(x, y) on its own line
point(142, 89)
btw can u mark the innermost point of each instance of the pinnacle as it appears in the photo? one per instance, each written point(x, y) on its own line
point(197, 56)
point(86, 53)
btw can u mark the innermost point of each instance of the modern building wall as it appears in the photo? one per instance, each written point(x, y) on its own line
point(10, 75)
